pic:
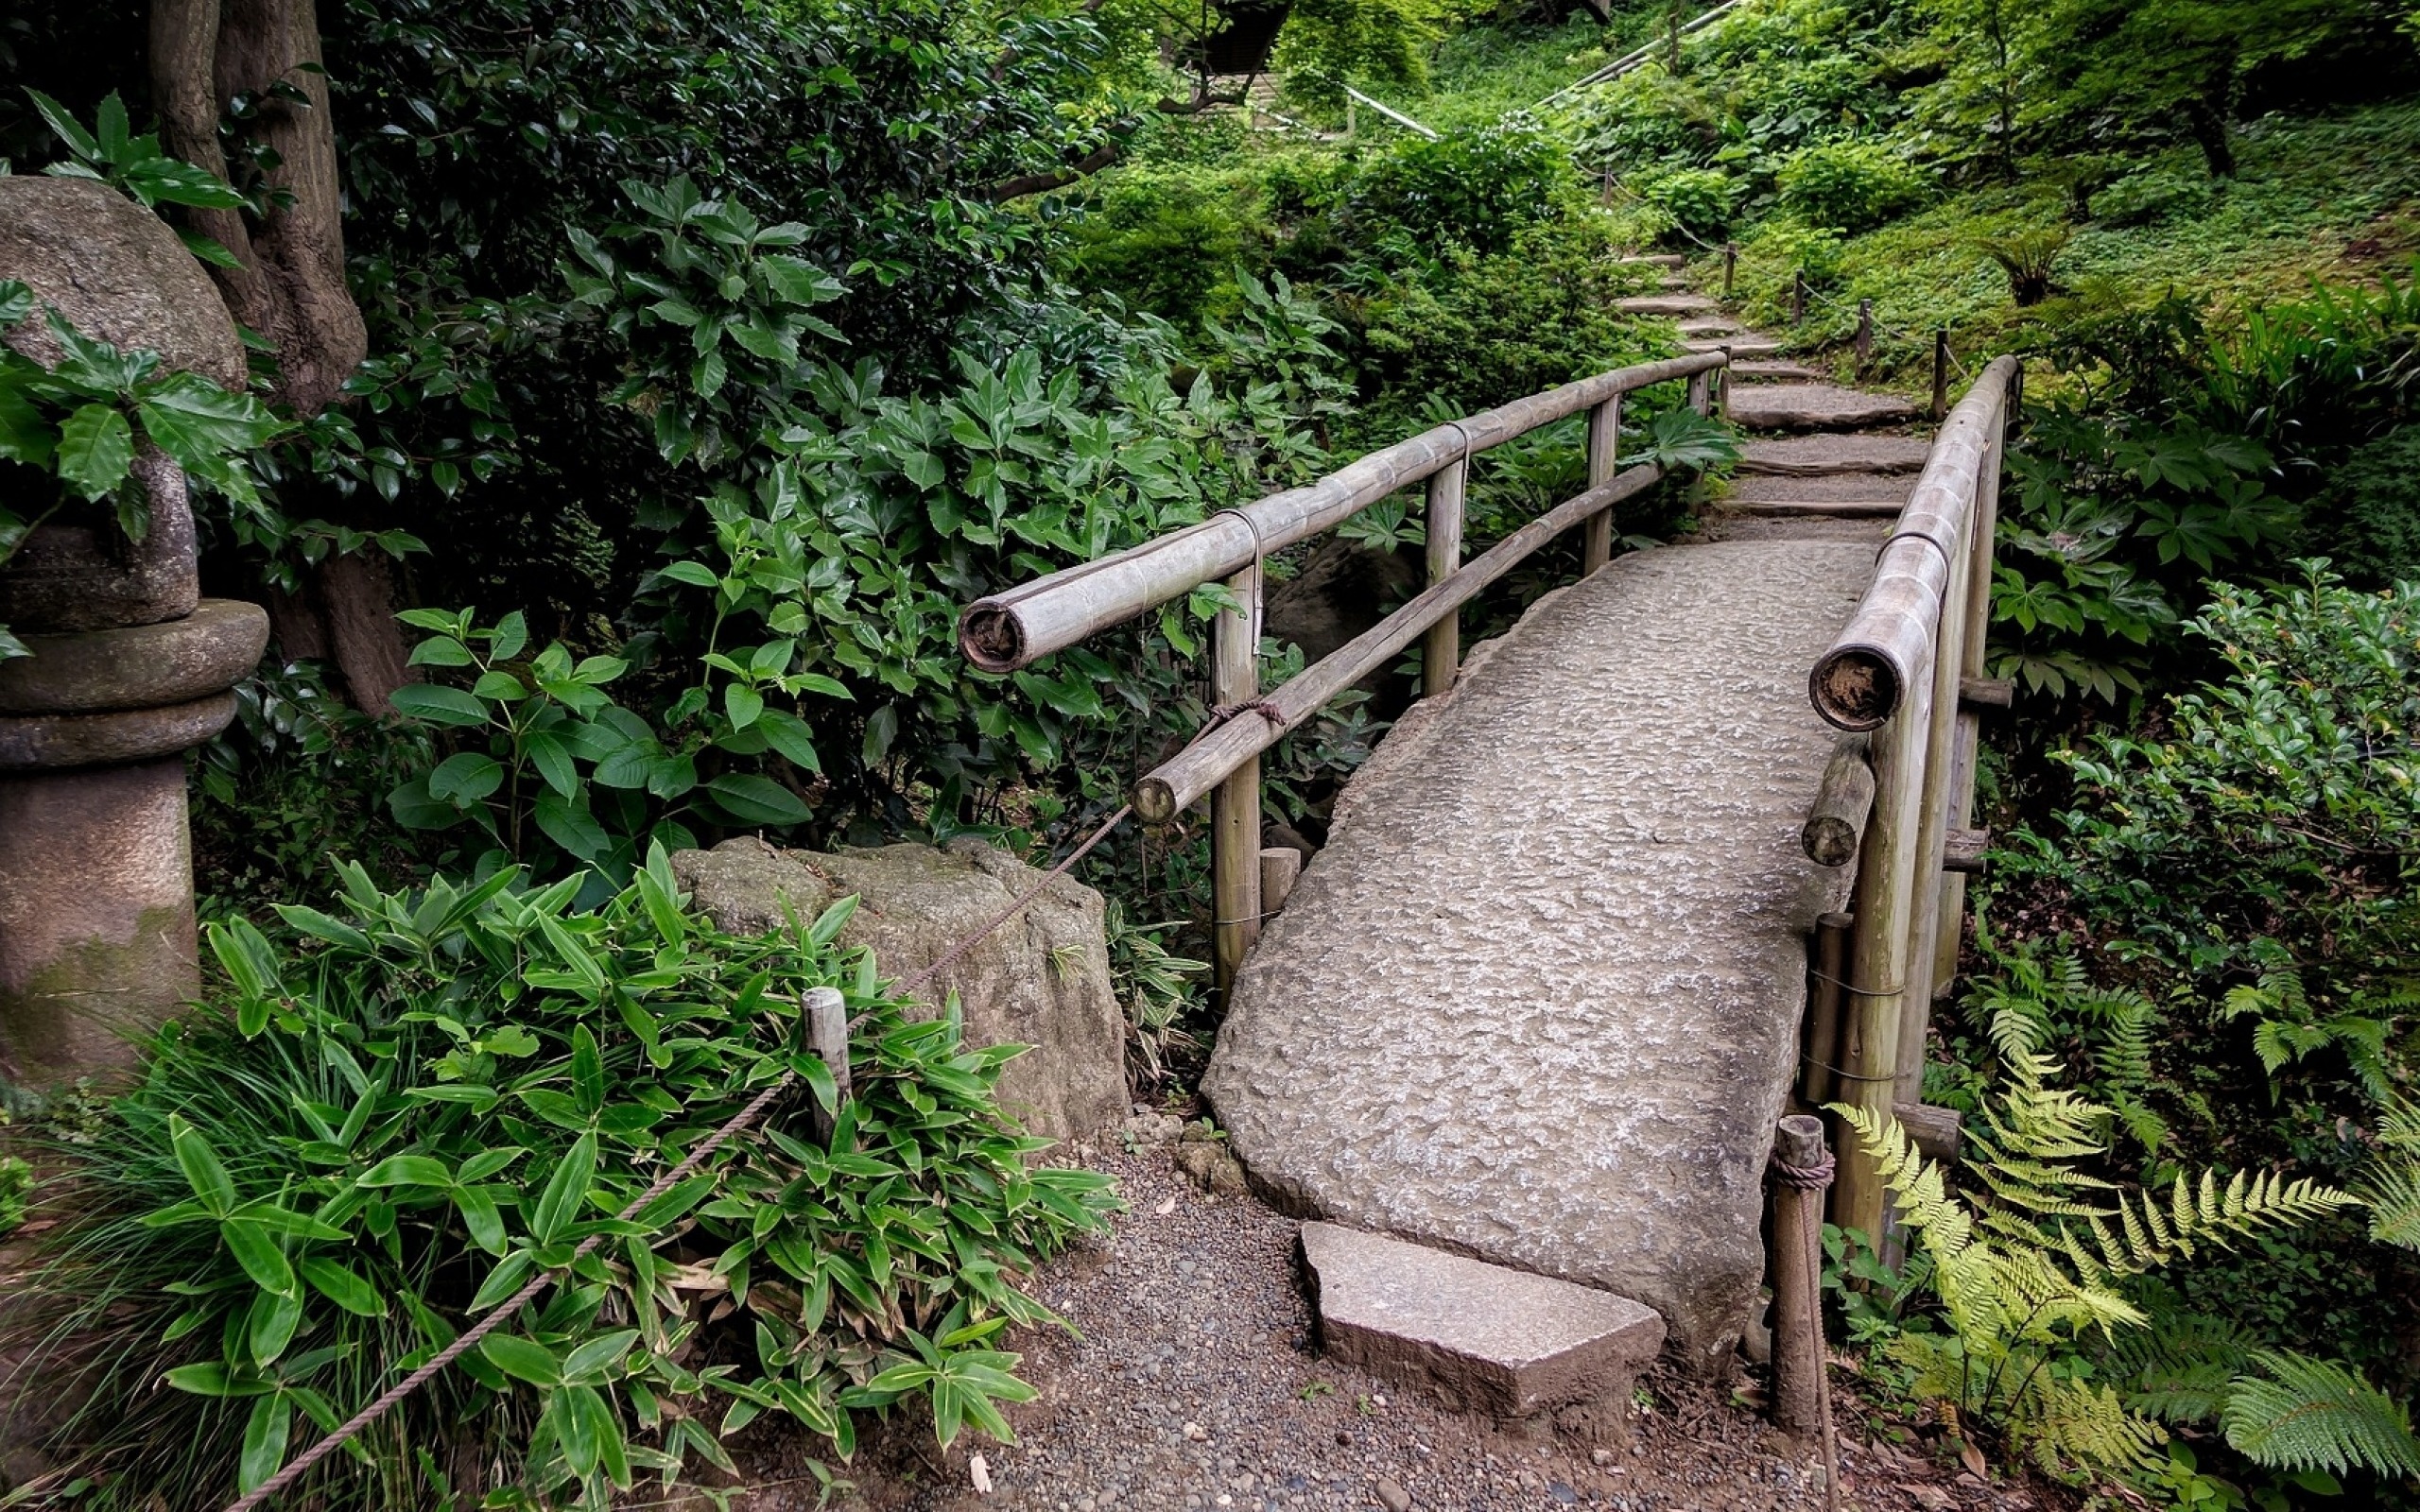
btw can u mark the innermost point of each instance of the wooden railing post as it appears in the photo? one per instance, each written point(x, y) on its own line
point(1440, 649)
point(1798, 298)
point(1972, 664)
point(1940, 373)
point(1864, 335)
point(1730, 265)
point(1605, 447)
point(1932, 833)
point(1235, 804)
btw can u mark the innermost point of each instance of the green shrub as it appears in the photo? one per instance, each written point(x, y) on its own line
point(1478, 187)
point(2374, 498)
point(2153, 193)
point(1853, 186)
point(395, 1115)
point(1698, 200)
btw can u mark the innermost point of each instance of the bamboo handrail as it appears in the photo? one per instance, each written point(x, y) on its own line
point(1010, 629)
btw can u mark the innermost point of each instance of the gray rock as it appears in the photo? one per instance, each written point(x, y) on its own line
point(1745, 345)
point(1804, 456)
point(1765, 371)
point(142, 667)
point(1666, 304)
point(1815, 407)
point(1594, 840)
point(1485, 1338)
point(1834, 487)
point(116, 272)
point(1040, 979)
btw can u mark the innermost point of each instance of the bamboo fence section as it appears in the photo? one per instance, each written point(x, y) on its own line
point(1902, 669)
point(1011, 629)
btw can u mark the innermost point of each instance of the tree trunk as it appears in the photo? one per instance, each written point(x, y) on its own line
point(2206, 117)
point(290, 286)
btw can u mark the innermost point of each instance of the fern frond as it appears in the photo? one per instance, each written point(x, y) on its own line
point(2301, 1414)
point(2391, 1189)
point(2178, 1368)
point(2088, 1426)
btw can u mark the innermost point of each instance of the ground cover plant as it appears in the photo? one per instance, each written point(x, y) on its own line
point(396, 1112)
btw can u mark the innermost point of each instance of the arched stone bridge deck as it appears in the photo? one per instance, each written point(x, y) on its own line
point(1539, 997)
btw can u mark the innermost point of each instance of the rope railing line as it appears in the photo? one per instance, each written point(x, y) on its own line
point(739, 1122)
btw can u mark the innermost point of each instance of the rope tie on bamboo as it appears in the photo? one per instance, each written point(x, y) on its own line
point(1806, 1177)
point(741, 1122)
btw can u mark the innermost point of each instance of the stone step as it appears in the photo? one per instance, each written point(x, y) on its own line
point(1714, 326)
point(1659, 259)
point(1483, 1338)
point(1808, 456)
point(1816, 406)
point(1818, 508)
point(1842, 488)
point(1768, 372)
point(1671, 281)
point(1666, 304)
point(1749, 344)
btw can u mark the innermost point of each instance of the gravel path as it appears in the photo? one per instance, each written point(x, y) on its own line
point(1194, 1386)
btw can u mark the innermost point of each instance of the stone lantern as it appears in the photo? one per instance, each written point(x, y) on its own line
point(131, 668)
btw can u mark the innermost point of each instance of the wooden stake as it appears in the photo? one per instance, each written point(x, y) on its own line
point(1605, 447)
point(1440, 649)
point(1940, 373)
point(1798, 299)
point(1730, 265)
point(1281, 865)
point(1797, 1315)
point(1826, 998)
point(1864, 335)
point(827, 1035)
point(1234, 805)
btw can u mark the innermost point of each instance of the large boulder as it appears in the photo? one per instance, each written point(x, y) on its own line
point(1040, 979)
point(118, 273)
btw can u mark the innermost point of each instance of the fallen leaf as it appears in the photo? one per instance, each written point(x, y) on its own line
point(1931, 1498)
point(1972, 1457)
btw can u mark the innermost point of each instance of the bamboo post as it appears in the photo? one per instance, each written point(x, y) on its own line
point(1972, 664)
point(1235, 804)
point(1798, 1328)
point(1351, 118)
point(1604, 449)
point(1925, 922)
point(1730, 265)
point(827, 1035)
point(1940, 373)
point(1880, 950)
point(1826, 999)
point(1440, 649)
point(1798, 298)
point(1864, 335)
point(1843, 801)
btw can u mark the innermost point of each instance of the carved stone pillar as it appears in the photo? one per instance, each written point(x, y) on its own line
point(130, 666)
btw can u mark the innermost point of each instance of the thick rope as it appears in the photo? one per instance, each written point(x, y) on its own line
point(745, 1119)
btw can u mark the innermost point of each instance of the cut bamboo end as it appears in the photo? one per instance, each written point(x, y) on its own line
point(991, 638)
point(1842, 803)
point(1855, 687)
point(1986, 692)
point(1154, 800)
point(1963, 851)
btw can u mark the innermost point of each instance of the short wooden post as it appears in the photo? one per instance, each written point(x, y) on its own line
point(1828, 979)
point(1702, 391)
point(1604, 450)
point(1280, 866)
point(1798, 298)
point(1843, 801)
point(1730, 265)
point(1441, 648)
point(1940, 373)
point(1235, 804)
point(827, 1035)
point(1352, 117)
point(1864, 335)
point(1799, 1160)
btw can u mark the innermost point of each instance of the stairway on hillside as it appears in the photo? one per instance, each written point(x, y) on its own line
point(1824, 460)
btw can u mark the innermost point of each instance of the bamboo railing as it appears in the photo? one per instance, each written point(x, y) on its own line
point(1908, 668)
point(1012, 629)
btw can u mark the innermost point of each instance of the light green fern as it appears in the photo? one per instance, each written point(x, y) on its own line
point(2391, 1185)
point(2300, 1414)
point(2032, 1263)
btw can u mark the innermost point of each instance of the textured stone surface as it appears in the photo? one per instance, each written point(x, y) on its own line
point(1816, 408)
point(1666, 304)
point(51, 741)
point(1818, 455)
point(1538, 998)
point(1042, 979)
point(96, 921)
point(116, 272)
point(1713, 327)
point(81, 572)
point(139, 666)
point(1740, 345)
point(1765, 371)
point(1483, 1337)
point(1839, 486)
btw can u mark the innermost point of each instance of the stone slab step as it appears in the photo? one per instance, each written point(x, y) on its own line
point(1756, 527)
point(1742, 346)
point(1818, 508)
point(1816, 408)
point(1659, 259)
point(1483, 1337)
point(1808, 456)
point(1666, 304)
point(1844, 488)
point(1713, 325)
point(1771, 372)
point(1671, 281)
